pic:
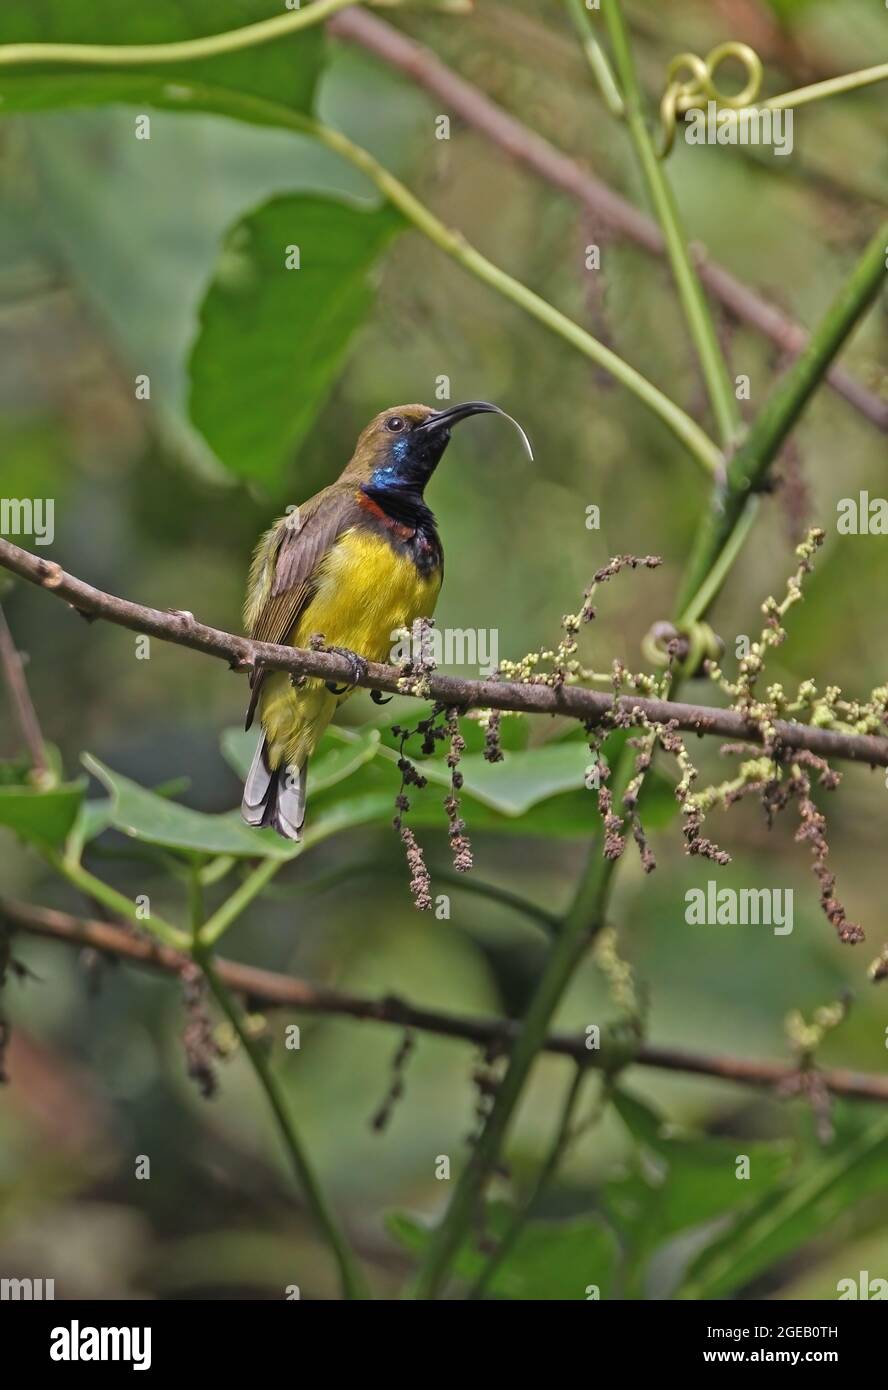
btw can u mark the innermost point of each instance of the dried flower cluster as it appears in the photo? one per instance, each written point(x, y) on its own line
point(777, 777)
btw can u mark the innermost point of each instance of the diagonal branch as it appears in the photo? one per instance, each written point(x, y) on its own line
point(576, 702)
point(267, 989)
point(20, 698)
point(562, 172)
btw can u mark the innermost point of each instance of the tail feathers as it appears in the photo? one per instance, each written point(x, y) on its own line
point(274, 797)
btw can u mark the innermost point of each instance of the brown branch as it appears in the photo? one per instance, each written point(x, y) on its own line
point(20, 698)
point(265, 988)
point(576, 702)
point(558, 169)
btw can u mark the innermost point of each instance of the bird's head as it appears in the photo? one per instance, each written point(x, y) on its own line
point(401, 447)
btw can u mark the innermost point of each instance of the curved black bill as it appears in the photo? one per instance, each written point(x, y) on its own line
point(445, 419)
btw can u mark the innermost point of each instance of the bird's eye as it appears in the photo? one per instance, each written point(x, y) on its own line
point(395, 423)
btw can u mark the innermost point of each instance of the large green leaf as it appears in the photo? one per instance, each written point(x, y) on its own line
point(144, 815)
point(89, 204)
point(285, 70)
point(43, 817)
point(539, 790)
point(271, 338)
point(533, 791)
point(550, 1259)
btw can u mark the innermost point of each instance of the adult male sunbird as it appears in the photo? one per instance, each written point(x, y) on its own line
point(356, 563)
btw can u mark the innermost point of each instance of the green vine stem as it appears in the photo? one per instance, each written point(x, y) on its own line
point(830, 87)
point(748, 469)
point(698, 85)
point(561, 1142)
point(696, 310)
point(597, 59)
point(224, 917)
point(718, 573)
point(260, 877)
point(136, 54)
point(351, 1278)
point(117, 903)
point(582, 923)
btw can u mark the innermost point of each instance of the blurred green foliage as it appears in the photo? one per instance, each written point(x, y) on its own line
point(121, 257)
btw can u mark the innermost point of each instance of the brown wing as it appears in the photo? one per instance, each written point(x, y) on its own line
point(285, 565)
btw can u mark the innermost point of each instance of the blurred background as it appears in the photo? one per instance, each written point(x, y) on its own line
point(108, 248)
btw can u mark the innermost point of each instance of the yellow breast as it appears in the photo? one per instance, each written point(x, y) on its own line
point(365, 593)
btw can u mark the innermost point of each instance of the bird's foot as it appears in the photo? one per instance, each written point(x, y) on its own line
point(379, 699)
point(357, 668)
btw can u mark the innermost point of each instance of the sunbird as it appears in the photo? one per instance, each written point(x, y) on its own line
point(355, 564)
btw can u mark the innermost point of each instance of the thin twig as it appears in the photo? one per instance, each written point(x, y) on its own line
point(271, 990)
point(577, 702)
point(20, 698)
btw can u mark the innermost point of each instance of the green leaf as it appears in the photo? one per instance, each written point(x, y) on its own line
point(98, 215)
point(94, 818)
point(43, 817)
point(524, 779)
point(796, 1212)
point(550, 1259)
point(144, 815)
point(567, 814)
point(537, 790)
point(681, 1183)
point(14, 771)
point(272, 339)
point(541, 792)
point(642, 1121)
point(346, 814)
point(285, 70)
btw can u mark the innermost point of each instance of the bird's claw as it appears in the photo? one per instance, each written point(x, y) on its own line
point(379, 699)
point(357, 668)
